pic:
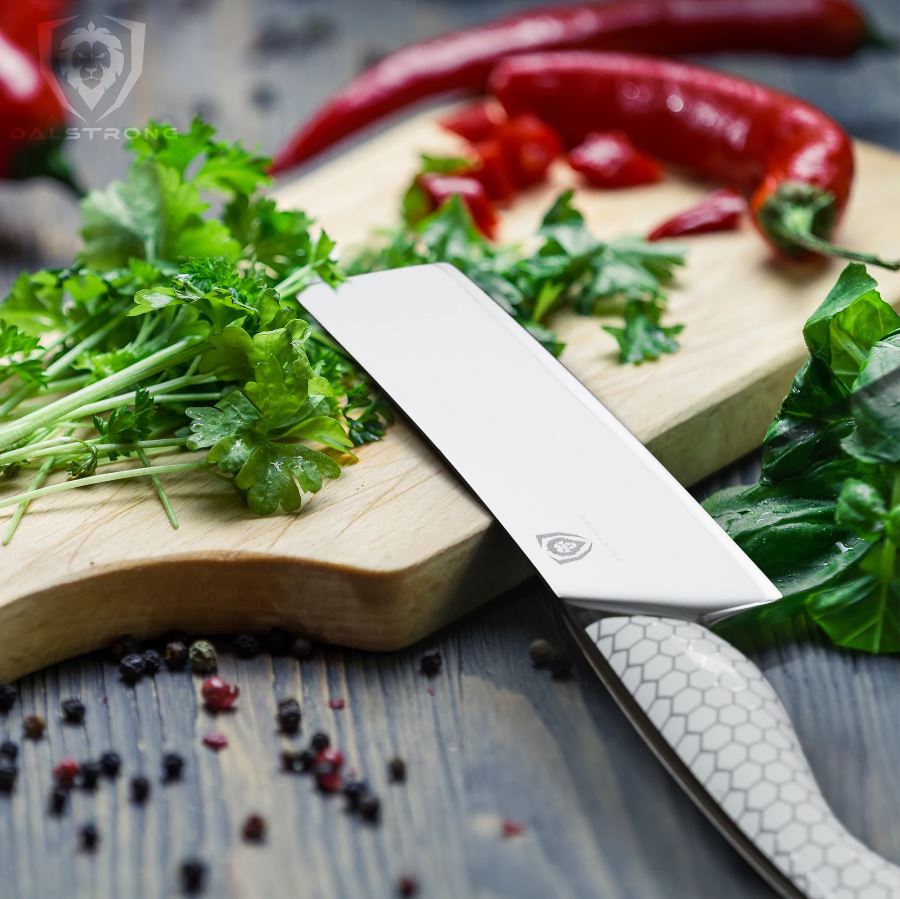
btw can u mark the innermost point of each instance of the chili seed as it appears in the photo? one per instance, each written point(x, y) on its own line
point(9, 750)
point(370, 808)
point(8, 695)
point(66, 772)
point(58, 800)
point(110, 763)
point(319, 742)
point(302, 648)
point(215, 741)
point(89, 837)
point(8, 774)
point(336, 704)
point(560, 667)
point(140, 789)
point(354, 790)
point(33, 726)
point(431, 663)
point(246, 646)
point(131, 668)
point(407, 886)
point(510, 828)
point(173, 766)
point(541, 652)
point(278, 641)
point(203, 658)
point(152, 662)
point(218, 695)
point(175, 655)
point(289, 716)
point(397, 771)
point(90, 774)
point(72, 711)
point(126, 645)
point(193, 876)
point(254, 829)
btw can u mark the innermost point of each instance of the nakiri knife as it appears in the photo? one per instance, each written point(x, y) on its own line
point(637, 564)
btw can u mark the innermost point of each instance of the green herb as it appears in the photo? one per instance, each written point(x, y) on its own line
point(824, 520)
point(569, 268)
point(177, 329)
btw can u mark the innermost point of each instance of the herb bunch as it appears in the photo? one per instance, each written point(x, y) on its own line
point(824, 520)
point(569, 268)
point(177, 329)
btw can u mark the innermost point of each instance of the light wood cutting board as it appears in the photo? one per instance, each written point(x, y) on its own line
point(397, 547)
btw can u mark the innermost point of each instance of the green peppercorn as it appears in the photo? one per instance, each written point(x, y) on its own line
point(175, 656)
point(203, 657)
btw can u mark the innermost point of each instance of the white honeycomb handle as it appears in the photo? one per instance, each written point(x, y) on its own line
point(724, 722)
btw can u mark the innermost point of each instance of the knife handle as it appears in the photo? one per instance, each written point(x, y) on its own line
point(728, 729)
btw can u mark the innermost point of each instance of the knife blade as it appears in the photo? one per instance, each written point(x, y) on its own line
point(620, 543)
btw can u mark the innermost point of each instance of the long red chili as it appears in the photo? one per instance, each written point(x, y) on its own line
point(462, 60)
point(794, 161)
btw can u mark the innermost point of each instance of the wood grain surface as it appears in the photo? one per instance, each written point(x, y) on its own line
point(497, 738)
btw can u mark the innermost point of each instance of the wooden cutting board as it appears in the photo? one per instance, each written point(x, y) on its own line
point(397, 547)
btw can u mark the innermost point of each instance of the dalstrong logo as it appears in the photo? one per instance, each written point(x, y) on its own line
point(92, 66)
point(563, 548)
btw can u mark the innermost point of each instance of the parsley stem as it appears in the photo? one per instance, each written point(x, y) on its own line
point(62, 446)
point(36, 482)
point(154, 390)
point(160, 490)
point(125, 474)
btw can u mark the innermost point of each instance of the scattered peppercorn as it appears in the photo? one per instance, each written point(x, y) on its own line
point(289, 716)
point(172, 765)
point(66, 772)
point(8, 774)
point(305, 760)
point(9, 750)
point(152, 662)
point(337, 703)
point(328, 781)
point(302, 648)
point(278, 641)
point(510, 828)
point(72, 711)
point(175, 655)
point(215, 741)
point(431, 663)
point(560, 667)
point(319, 742)
point(254, 829)
point(132, 668)
point(193, 876)
point(89, 836)
point(126, 645)
point(246, 646)
point(218, 695)
point(8, 695)
point(407, 886)
point(90, 774)
point(58, 800)
point(140, 789)
point(541, 652)
point(203, 658)
point(33, 727)
point(370, 808)
point(330, 759)
point(397, 771)
point(354, 790)
point(110, 763)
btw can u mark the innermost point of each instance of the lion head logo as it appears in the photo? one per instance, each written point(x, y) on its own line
point(91, 60)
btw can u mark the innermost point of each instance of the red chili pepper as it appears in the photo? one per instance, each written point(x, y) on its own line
point(477, 122)
point(492, 171)
point(795, 161)
point(530, 148)
point(21, 19)
point(610, 159)
point(462, 60)
point(438, 189)
point(720, 210)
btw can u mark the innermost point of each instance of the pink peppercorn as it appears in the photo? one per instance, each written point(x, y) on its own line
point(66, 772)
point(215, 741)
point(337, 704)
point(218, 694)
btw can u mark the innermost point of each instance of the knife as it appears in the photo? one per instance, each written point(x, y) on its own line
point(638, 566)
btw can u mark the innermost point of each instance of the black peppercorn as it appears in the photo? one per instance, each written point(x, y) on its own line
point(33, 726)
point(72, 710)
point(203, 658)
point(110, 763)
point(175, 656)
point(397, 771)
point(319, 741)
point(541, 652)
point(90, 774)
point(8, 695)
point(131, 668)
point(430, 664)
point(152, 662)
point(126, 645)
point(560, 666)
point(302, 648)
point(8, 774)
point(9, 750)
point(369, 808)
point(173, 765)
point(278, 642)
point(246, 646)
point(140, 788)
point(59, 798)
point(407, 886)
point(89, 837)
point(288, 716)
point(354, 790)
point(305, 761)
point(254, 829)
point(193, 876)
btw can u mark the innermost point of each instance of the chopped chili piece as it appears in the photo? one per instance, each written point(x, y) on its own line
point(720, 210)
point(530, 146)
point(435, 190)
point(611, 160)
point(329, 781)
point(476, 122)
point(491, 170)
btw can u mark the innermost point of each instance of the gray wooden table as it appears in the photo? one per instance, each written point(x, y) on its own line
point(490, 739)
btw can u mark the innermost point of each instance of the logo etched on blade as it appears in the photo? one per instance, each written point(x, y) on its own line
point(563, 548)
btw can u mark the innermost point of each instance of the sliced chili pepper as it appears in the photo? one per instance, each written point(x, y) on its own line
point(720, 210)
point(530, 147)
point(462, 60)
point(434, 190)
point(609, 159)
point(476, 122)
point(492, 170)
point(795, 161)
